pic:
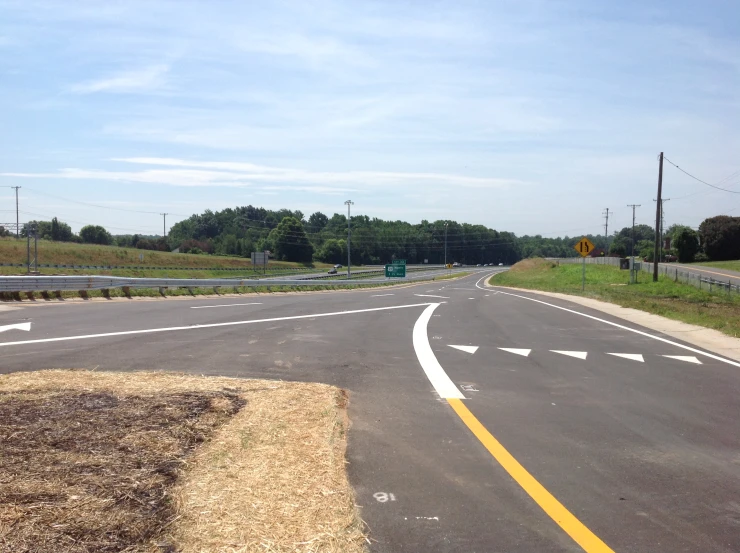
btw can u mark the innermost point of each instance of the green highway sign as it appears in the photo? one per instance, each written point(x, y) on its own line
point(395, 271)
point(399, 262)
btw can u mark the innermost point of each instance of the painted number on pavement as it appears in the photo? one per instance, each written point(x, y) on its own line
point(382, 497)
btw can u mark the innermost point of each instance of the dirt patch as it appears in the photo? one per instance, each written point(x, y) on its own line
point(110, 462)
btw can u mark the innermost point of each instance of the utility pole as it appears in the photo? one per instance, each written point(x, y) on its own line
point(164, 224)
point(658, 208)
point(633, 274)
point(17, 220)
point(349, 203)
point(446, 224)
point(606, 229)
point(662, 224)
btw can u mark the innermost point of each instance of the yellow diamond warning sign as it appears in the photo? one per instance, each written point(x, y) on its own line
point(584, 246)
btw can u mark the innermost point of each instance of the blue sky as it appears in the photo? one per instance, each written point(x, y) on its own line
point(527, 116)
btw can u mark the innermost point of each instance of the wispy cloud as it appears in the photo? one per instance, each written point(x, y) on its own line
point(186, 173)
point(138, 80)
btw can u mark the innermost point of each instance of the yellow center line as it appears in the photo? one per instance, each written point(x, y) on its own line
point(557, 512)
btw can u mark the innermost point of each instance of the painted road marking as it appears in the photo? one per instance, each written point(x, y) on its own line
point(556, 510)
point(224, 305)
point(447, 390)
point(631, 356)
point(466, 349)
point(381, 295)
point(434, 371)
point(687, 358)
point(522, 352)
point(623, 327)
point(216, 325)
point(428, 296)
point(18, 326)
point(577, 354)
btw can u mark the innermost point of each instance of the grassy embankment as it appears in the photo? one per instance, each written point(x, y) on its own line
point(681, 302)
point(731, 265)
point(166, 264)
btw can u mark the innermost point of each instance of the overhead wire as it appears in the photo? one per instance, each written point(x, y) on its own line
point(701, 181)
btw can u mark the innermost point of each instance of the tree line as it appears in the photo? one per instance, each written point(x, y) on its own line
point(290, 236)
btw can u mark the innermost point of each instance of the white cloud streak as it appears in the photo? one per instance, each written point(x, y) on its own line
point(179, 172)
point(138, 80)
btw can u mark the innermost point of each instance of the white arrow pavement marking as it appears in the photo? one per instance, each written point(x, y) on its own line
point(631, 356)
point(578, 354)
point(466, 349)
point(19, 326)
point(687, 358)
point(523, 352)
point(430, 296)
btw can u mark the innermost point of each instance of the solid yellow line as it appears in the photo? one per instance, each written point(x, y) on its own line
point(562, 516)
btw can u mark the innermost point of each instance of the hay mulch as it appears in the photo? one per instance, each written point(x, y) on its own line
point(156, 462)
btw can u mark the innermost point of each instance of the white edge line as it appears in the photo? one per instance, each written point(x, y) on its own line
point(224, 305)
point(430, 296)
point(381, 295)
point(434, 371)
point(211, 325)
point(642, 333)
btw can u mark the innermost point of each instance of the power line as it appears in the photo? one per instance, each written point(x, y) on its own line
point(701, 181)
point(88, 204)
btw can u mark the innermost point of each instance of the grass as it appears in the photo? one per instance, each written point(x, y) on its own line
point(731, 265)
point(144, 462)
point(69, 253)
point(681, 302)
point(452, 275)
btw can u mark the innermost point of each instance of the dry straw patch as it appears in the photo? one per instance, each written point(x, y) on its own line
point(149, 462)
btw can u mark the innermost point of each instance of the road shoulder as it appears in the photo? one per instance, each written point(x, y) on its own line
point(707, 338)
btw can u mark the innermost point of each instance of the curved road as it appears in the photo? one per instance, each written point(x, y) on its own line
point(483, 419)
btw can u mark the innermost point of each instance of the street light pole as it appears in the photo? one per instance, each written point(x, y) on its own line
point(349, 203)
point(446, 244)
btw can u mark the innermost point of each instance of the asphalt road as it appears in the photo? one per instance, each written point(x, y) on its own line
point(554, 428)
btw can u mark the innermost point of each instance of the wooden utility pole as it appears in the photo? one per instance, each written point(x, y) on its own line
point(658, 209)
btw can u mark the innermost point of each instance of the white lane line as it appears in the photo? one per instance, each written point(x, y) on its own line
point(434, 371)
point(224, 305)
point(469, 289)
point(576, 354)
point(687, 358)
point(630, 356)
point(640, 332)
point(211, 325)
point(381, 295)
point(429, 296)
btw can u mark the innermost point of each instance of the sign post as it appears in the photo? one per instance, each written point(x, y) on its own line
point(584, 247)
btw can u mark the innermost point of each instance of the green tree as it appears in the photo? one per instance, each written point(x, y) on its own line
point(290, 241)
point(317, 221)
point(333, 251)
point(95, 234)
point(686, 243)
point(720, 237)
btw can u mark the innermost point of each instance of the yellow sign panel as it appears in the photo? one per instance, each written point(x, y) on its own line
point(449, 265)
point(584, 247)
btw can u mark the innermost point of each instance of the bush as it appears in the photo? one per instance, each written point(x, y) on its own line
point(95, 234)
point(686, 243)
point(701, 257)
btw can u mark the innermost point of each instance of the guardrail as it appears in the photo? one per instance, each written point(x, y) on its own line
point(82, 284)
